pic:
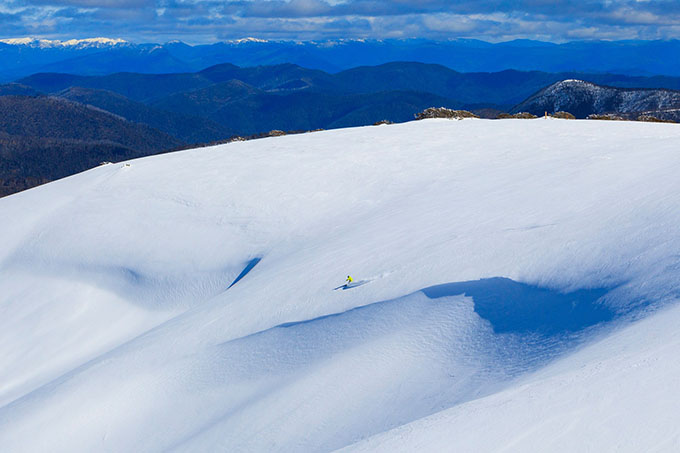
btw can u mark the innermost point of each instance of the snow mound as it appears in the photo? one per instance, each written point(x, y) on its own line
point(186, 301)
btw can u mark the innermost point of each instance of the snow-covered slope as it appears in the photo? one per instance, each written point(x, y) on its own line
point(617, 395)
point(190, 301)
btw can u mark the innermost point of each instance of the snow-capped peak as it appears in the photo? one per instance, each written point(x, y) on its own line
point(246, 40)
point(93, 41)
point(574, 82)
point(19, 41)
point(45, 43)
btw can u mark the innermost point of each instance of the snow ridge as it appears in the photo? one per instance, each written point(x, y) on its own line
point(77, 43)
point(247, 40)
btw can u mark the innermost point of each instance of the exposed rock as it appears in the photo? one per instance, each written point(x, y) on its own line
point(487, 112)
point(443, 112)
point(520, 115)
point(653, 119)
point(606, 116)
point(563, 115)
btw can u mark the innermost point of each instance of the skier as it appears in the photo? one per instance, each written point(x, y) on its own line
point(349, 280)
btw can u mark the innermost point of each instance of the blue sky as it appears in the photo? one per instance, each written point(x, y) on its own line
point(202, 21)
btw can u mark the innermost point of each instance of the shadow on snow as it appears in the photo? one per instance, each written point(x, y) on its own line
point(249, 267)
point(513, 307)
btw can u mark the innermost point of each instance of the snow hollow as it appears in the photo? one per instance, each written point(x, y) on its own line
point(519, 288)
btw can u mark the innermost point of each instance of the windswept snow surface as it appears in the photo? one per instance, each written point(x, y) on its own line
point(523, 287)
point(620, 394)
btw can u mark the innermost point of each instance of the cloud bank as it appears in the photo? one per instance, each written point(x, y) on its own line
point(200, 21)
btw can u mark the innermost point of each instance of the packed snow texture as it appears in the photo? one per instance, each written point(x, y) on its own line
point(520, 287)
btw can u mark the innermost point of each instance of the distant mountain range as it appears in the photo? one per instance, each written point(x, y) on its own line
point(45, 138)
point(205, 92)
point(184, 127)
point(99, 56)
point(55, 124)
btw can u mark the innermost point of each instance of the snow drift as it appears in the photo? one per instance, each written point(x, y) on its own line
point(185, 302)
